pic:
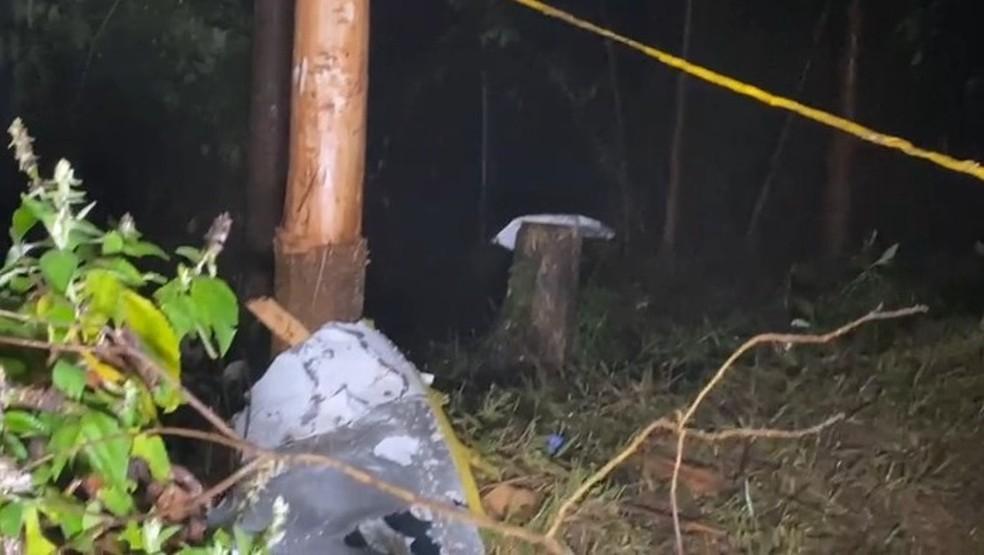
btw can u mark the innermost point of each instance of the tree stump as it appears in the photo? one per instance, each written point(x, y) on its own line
point(536, 326)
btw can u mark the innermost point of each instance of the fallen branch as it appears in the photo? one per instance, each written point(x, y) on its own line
point(678, 425)
point(788, 339)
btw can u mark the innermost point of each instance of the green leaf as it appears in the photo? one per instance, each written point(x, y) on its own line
point(87, 228)
point(69, 378)
point(167, 397)
point(224, 336)
point(21, 284)
point(133, 537)
point(63, 509)
point(13, 367)
point(84, 542)
point(116, 499)
point(140, 249)
point(23, 221)
point(244, 540)
point(152, 450)
point(112, 243)
point(219, 311)
point(153, 329)
point(93, 515)
point(216, 301)
point(34, 541)
point(191, 254)
point(63, 441)
point(11, 519)
point(121, 268)
point(13, 446)
point(24, 424)
point(103, 290)
point(40, 211)
point(55, 310)
point(169, 291)
point(57, 267)
point(106, 448)
point(155, 535)
point(182, 313)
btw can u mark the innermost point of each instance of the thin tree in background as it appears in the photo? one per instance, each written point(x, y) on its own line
point(622, 164)
point(671, 217)
point(319, 250)
point(273, 26)
point(483, 191)
point(837, 198)
point(754, 221)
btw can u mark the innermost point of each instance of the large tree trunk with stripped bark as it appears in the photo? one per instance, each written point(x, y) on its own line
point(837, 199)
point(319, 250)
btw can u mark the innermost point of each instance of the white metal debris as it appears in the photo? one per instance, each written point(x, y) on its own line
point(589, 228)
point(348, 393)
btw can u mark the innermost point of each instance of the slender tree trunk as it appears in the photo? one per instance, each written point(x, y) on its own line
point(319, 250)
point(483, 192)
point(754, 221)
point(273, 25)
point(6, 64)
point(622, 164)
point(671, 218)
point(837, 200)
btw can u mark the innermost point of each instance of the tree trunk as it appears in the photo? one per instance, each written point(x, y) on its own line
point(671, 218)
point(752, 235)
point(537, 323)
point(319, 250)
point(483, 191)
point(837, 200)
point(619, 136)
point(6, 64)
point(273, 26)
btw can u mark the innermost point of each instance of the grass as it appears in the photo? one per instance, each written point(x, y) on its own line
point(900, 475)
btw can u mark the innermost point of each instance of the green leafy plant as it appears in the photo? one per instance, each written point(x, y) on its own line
point(80, 466)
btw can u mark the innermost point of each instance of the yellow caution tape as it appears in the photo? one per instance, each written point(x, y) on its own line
point(461, 456)
point(969, 167)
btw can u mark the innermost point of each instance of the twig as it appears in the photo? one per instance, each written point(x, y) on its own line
point(787, 338)
point(671, 426)
point(124, 349)
point(150, 365)
point(678, 426)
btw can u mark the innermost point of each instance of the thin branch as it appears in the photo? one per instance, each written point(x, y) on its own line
point(668, 425)
point(121, 348)
point(787, 338)
point(678, 426)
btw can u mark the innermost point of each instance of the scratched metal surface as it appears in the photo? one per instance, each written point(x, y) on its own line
point(349, 393)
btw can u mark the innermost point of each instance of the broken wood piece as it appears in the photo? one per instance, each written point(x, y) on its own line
point(282, 324)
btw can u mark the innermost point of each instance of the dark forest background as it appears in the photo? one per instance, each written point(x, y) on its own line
point(150, 100)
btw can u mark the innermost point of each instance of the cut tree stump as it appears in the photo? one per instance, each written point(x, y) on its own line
point(536, 326)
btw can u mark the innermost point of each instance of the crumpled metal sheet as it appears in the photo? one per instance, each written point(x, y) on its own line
point(347, 392)
point(588, 228)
